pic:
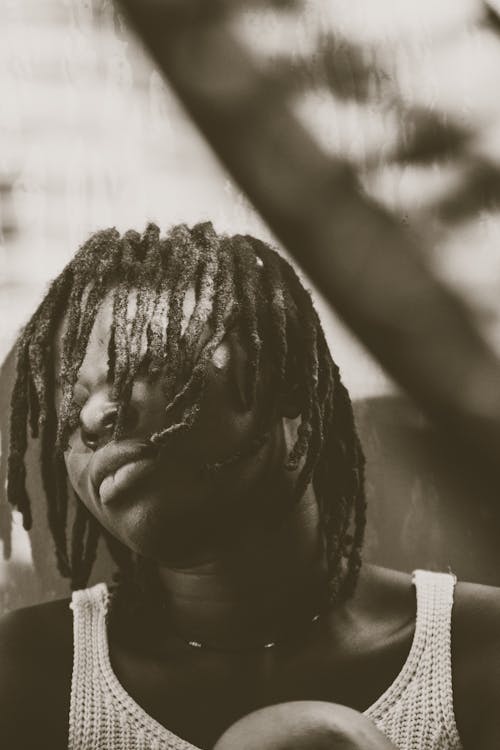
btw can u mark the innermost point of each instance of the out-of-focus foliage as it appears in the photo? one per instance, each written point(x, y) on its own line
point(236, 69)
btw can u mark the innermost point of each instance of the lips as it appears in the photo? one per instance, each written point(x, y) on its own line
point(113, 456)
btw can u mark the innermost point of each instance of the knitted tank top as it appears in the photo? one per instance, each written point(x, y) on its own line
point(415, 712)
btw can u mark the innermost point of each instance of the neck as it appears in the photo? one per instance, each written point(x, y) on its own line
point(260, 589)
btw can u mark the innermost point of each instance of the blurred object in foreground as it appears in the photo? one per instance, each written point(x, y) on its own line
point(246, 102)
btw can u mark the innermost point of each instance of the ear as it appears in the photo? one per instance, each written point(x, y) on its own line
point(289, 402)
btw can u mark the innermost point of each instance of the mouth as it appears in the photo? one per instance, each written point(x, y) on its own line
point(119, 465)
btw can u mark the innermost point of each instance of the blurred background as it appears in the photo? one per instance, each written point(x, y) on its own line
point(92, 136)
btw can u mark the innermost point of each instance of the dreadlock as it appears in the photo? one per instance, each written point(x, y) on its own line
point(238, 281)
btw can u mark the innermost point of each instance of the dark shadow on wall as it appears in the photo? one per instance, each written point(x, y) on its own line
point(426, 507)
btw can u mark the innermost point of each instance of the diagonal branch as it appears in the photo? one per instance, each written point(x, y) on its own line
point(356, 252)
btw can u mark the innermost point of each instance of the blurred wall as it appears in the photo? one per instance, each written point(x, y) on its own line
point(92, 137)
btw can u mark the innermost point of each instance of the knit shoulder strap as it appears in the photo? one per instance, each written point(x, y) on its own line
point(103, 716)
point(436, 598)
point(86, 605)
point(420, 700)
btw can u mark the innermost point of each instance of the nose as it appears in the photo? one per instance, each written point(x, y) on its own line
point(97, 420)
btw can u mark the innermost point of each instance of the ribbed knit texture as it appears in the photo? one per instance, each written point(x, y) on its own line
point(415, 712)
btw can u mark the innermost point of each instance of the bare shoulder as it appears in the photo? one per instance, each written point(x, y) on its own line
point(36, 645)
point(389, 598)
point(476, 664)
point(387, 594)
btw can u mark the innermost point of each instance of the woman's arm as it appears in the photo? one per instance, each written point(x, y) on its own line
point(35, 677)
point(476, 692)
point(475, 651)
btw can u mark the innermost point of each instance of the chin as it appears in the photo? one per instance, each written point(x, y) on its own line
point(167, 533)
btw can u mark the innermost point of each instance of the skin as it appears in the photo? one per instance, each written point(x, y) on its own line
point(240, 565)
point(312, 724)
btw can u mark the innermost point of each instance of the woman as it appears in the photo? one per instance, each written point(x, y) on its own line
point(184, 387)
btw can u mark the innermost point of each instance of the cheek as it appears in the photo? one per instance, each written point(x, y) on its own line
point(178, 513)
point(223, 428)
point(181, 517)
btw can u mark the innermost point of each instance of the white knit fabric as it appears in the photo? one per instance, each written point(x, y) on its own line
point(415, 712)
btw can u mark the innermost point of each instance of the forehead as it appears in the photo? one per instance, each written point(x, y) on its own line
point(157, 317)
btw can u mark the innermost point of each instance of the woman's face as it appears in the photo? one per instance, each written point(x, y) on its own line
point(160, 501)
